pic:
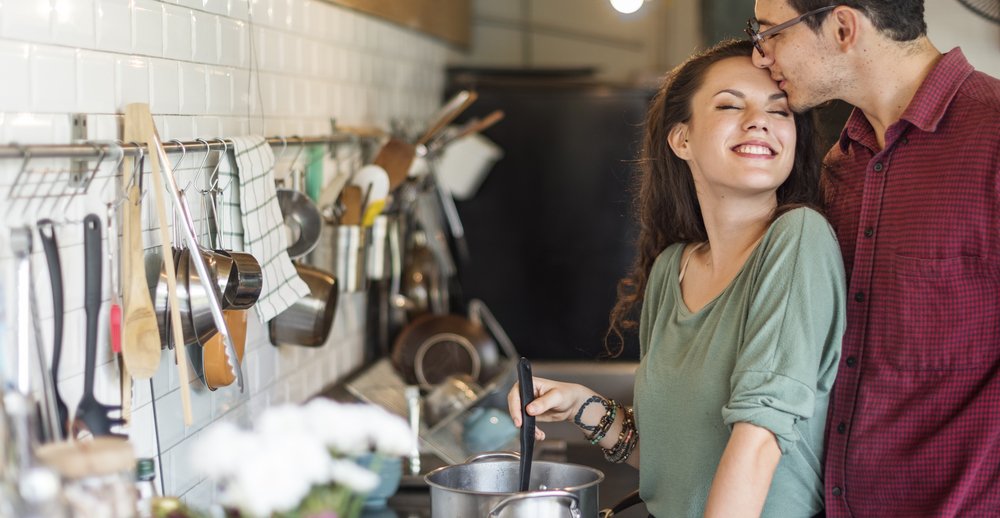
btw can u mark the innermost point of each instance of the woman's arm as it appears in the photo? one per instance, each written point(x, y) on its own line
point(558, 401)
point(743, 477)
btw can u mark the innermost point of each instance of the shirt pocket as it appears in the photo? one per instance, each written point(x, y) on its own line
point(944, 313)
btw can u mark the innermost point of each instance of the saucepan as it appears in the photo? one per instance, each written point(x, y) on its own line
point(309, 320)
point(433, 347)
point(477, 487)
point(196, 317)
point(302, 220)
point(246, 280)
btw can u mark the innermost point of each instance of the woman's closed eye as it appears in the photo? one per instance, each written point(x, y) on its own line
point(779, 112)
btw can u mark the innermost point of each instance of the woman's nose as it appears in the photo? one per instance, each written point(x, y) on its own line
point(755, 119)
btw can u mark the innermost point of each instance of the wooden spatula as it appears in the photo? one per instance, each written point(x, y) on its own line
point(396, 157)
point(351, 198)
point(455, 106)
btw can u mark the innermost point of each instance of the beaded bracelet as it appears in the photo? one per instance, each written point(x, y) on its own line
point(607, 420)
point(578, 418)
point(628, 438)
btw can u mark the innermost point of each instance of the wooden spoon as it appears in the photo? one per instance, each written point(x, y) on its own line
point(140, 337)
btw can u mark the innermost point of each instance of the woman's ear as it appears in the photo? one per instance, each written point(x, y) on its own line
point(678, 141)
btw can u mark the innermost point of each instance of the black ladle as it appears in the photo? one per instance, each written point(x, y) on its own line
point(527, 391)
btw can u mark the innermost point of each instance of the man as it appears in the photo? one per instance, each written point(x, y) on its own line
point(913, 187)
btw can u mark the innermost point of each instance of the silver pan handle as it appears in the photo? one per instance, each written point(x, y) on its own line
point(574, 501)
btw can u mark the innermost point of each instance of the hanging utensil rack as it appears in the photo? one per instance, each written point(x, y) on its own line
point(65, 183)
point(90, 150)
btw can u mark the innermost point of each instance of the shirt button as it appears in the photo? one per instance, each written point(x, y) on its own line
point(878, 167)
point(841, 428)
point(859, 296)
point(851, 361)
point(837, 491)
point(869, 232)
point(905, 140)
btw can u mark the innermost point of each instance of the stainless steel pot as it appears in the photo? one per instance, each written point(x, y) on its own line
point(246, 280)
point(302, 219)
point(476, 488)
point(309, 320)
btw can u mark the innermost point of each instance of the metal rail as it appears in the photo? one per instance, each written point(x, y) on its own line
point(100, 149)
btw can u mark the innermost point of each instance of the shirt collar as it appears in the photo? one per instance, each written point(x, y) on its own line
point(928, 105)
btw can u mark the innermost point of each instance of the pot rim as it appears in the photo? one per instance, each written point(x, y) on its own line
point(432, 484)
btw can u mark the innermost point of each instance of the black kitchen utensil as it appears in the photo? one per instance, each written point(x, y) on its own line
point(91, 414)
point(527, 391)
point(47, 231)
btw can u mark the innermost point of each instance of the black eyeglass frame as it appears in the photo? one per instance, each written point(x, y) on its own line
point(758, 37)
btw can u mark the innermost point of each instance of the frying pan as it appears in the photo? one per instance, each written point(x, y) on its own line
point(433, 347)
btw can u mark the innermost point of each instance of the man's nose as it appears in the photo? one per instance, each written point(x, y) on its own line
point(760, 61)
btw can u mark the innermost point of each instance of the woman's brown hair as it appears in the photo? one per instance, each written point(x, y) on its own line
point(665, 203)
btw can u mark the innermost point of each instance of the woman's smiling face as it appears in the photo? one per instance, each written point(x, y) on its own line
point(740, 139)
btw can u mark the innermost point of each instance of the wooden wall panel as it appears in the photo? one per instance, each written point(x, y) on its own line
point(449, 20)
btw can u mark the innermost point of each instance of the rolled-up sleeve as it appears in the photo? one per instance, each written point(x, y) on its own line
point(791, 338)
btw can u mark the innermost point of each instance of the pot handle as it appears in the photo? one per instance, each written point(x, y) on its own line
point(574, 501)
point(507, 455)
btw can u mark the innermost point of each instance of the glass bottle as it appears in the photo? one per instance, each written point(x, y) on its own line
point(145, 484)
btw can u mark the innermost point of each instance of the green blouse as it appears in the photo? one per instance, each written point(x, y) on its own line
point(764, 351)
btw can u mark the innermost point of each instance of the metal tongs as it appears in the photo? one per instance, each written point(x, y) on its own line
point(206, 277)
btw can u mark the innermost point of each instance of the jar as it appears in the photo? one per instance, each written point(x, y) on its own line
point(98, 476)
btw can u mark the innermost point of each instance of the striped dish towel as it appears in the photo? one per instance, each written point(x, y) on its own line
point(251, 221)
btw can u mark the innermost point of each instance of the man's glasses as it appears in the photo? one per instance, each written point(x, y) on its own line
point(753, 27)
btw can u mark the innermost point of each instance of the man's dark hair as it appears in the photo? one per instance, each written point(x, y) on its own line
point(901, 20)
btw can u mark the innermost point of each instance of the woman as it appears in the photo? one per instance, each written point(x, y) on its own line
point(742, 286)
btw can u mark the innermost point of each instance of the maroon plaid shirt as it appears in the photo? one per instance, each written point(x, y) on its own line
point(914, 424)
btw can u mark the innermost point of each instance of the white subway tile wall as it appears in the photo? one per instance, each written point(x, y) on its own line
point(208, 68)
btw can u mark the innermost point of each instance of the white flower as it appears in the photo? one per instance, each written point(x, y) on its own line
point(352, 476)
point(220, 450)
point(294, 448)
point(341, 427)
point(282, 419)
point(278, 474)
point(390, 434)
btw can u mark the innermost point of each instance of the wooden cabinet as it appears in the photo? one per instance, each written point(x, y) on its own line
point(449, 20)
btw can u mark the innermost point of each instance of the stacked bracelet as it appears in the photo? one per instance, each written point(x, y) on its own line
point(608, 419)
point(628, 438)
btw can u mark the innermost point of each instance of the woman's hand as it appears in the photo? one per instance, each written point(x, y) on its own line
point(554, 401)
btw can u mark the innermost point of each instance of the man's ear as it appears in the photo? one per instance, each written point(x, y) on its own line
point(847, 26)
point(678, 141)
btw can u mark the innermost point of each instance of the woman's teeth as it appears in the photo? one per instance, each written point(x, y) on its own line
point(753, 150)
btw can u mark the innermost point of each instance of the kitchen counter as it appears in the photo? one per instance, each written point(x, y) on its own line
point(413, 498)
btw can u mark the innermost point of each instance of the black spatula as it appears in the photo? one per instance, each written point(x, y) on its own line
point(527, 391)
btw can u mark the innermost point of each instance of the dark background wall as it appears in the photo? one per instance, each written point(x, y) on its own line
point(549, 231)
